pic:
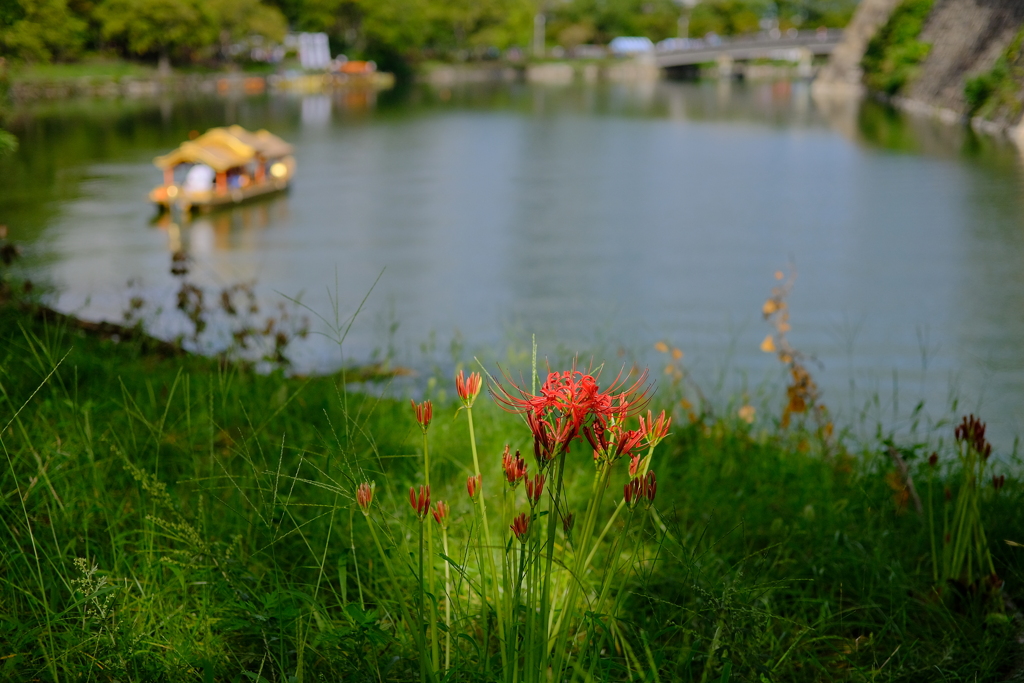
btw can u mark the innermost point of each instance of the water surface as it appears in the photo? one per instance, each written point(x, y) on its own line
point(599, 218)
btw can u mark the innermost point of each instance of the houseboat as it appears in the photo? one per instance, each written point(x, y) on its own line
point(223, 166)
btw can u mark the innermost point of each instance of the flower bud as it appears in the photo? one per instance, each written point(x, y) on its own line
point(420, 503)
point(440, 513)
point(364, 496)
point(424, 413)
point(468, 388)
point(473, 486)
point(520, 526)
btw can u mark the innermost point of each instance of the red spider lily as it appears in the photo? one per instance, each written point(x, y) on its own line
point(420, 503)
point(519, 526)
point(424, 413)
point(610, 440)
point(650, 487)
point(468, 387)
point(998, 482)
point(473, 486)
point(550, 436)
point(640, 487)
point(933, 459)
point(972, 431)
point(654, 430)
point(364, 496)
point(567, 400)
point(440, 513)
point(534, 487)
point(633, 491)
point(513, 466)
point(634, 465)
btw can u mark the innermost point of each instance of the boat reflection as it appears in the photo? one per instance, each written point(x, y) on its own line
point(237, 228)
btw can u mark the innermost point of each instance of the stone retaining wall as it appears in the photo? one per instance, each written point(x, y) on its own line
point(967, 36)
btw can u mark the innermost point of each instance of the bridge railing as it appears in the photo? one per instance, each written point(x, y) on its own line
point(763, 38)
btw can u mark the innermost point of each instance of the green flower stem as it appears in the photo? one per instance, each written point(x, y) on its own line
point(559, 636)
point(434, 640)
point(487, 543)
point(419, 622)
point(417, 632)
point(447, 602)
point(642, 471)
point(545, 600)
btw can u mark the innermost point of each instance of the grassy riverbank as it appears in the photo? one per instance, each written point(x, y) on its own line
point(178, 518)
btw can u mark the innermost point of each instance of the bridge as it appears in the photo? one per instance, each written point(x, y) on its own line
point(682, 56)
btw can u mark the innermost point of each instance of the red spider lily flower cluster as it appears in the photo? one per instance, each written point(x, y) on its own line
point(641, 487)
point(972, 431)
point(933, 459)
point(420, 503)
point(534, 487)
point(468, 388)
point(654, 429)
point(513, 466)
point(473, 486)
point(520, 526)
point(364, 496)
point(998, 482)
point(440, 513)
point(424, 413)
point(566, 403)
point(610, 441)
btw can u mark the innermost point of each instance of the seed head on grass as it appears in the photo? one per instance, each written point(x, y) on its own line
point(420, 503)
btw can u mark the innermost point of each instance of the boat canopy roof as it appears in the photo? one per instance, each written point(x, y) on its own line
point(224, 148)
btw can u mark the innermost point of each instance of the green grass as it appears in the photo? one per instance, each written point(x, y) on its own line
point(87, 69)
point(216, 506)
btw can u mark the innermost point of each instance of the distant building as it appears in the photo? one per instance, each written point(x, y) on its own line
point(630, 45)
point(314, 52)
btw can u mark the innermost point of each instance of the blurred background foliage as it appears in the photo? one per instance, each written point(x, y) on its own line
point(187, 32)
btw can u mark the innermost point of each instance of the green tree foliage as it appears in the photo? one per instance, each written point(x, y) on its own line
point(180, 28)
point(732, 17)
point(39, 30)
point(728, 17)
point(894, 54)
point(580, 21)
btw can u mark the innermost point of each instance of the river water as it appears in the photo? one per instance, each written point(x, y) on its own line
point(600, 218)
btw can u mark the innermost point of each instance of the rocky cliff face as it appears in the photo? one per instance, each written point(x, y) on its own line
point(967, 37)
point(843, 70)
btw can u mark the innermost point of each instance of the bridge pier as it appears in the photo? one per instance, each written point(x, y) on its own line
point(726, 65)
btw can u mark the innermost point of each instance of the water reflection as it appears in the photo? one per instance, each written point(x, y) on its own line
point(610, 215)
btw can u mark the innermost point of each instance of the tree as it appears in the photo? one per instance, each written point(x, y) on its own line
point(180, 28)
point(39, 30)
point(162, 27)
